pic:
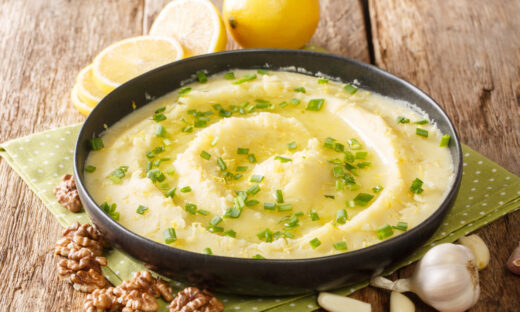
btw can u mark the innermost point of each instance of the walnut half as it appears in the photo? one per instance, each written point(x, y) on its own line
point(192, 299)
point(67, 194)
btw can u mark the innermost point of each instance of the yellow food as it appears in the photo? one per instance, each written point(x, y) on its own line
point(81, 106)
point(286, 24)
point(196, 24)
point(195, 139)
point(88, 92)
point(131, 57)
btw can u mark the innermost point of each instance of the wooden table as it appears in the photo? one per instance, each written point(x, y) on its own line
point(464, 53)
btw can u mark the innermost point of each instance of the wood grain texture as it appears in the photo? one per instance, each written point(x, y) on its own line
point(466, 54)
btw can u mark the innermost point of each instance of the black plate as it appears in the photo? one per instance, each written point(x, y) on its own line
point(252, 276)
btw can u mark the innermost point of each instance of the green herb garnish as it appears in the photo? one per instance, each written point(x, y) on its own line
point(315, 105)
point(158, 117)
point(252, 202)
point(445, 140)
point(401, 226)
point(315, 242)
point(341, 216)
point(299, 89)
point(402, 120)
point(171, 192)
point(377, 189)
point(258, 256)
point(294, 101)
point(282, 159)
point(314, 215)
point(169, 235)
point(262, 72)
point(269, 206)
point(421, 132)
point(338, 171)
point(205, 155)
point(201, 76)
point(253, 190)
point(229, 76)
point(284, 207)
point(191, 208)
point(110, 210)
point(251, 158)
point(421, 122)
point(340, 245)
point(350, 88)
point(242, 151)
point(257, 178)
point(246, 78)
point(230, 233)
point(207, 251)
point(155, 175)
point(241, 169)
point(354, 144)
point(186, 189)
point(323, 80)
point(291, 146)
point(221, 164)
point(96, 144)
point(184, 91)
point(90, 169)
point(362, 199)
point(279, 196)
point(417, 186)
point(384, 231)
point(141, 209)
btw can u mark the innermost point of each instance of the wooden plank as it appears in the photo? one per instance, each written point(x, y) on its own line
point(465, 54)
point(43, 44)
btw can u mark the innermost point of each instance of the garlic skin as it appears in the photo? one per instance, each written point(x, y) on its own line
point(447, 278)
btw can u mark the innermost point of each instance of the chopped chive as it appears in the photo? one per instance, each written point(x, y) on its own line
point(285, 207)
point(203, 212)
point(160, 131)
point(377, 189)
point(186, 189)
point(238, 176)
point(353, 187)
point(171, 192)
point(232, 212)
point(299, 214)
point(205, 155)
point(201, 76)
point(241, 169)
point(215, 221)
point(230, 233)
point(330, 196)
point(364, 164)
point(269, 206)
point(110, 210)
point(283, 104)
point(329, 142)
point(315, 105)
point(354, 144)
point(252, 202)
point(221, 164)
point(292, 222)
point(384, 231)
point(215, 229)
point(445, 140)
point(257, 178)
point(299, 89)
point(251, 158)
point(207, 251)
point(291, 146)
point(242, 151)
point(350, 204)
point(245, 79)
point(417, 186)
point(323, 80)
point(215, 140)
point(340, 186)
point(258, 256)
point(187, 129)
point(349, 157)
point(141, 209)
point(200, 123)
point(253, 190)
point(421, 122)
point(362, 199)
point(96, 144)
point(170, 171)
point(338, 171)
point(160, 110)
point(315, 242)
point(90, 169)
point(335, 161)
point(282, 159)
point(340, 245)
point(361, 155)
point(191, 208)
point(239, 202)
point(338, 147)
point(159, 117)
point(169, 235)
point(262, 72)
point(165, 186)
point(294, 101)
point(421, 132)
point(155, 175)
point(401, 226)
point(158, 149)
point(314, 215)
point(279, 196)
point(225, 113)
point(229, 76)
point(402, 120)
point(350, 88)
point(266, 235)
point(149, 166)
point(184, 91)
point(341, 216)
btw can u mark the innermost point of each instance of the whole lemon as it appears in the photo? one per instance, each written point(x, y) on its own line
point(286, 24)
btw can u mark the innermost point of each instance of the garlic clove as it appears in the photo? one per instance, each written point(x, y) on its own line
point(513, 263)
point(478, 248)
point(335, 303)
point(400, 303)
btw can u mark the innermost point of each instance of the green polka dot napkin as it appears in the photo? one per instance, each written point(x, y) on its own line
point(488, 192)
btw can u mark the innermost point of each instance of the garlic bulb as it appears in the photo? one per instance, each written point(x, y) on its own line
point(446, 278)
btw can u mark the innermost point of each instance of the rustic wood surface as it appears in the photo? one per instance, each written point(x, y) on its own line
point(464, 53)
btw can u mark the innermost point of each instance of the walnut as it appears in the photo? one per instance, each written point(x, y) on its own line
point(82, 247)
point(101, 300)
point(192, 299)
point(67, 193)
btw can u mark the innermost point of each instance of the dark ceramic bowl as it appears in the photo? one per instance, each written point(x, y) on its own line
point(251, 276)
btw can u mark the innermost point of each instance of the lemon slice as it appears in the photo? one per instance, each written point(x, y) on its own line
point(131, 57)
point(88, 92)
point(195, 23)
point(77, 103)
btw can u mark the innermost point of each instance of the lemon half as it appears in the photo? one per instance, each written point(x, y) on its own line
point(131, 57)
point(196, 24)
point(88, 92)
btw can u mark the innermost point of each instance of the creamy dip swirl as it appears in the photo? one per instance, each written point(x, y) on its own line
point(271, 164)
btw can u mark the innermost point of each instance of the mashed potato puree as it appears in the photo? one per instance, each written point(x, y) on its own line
point(271, 165)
